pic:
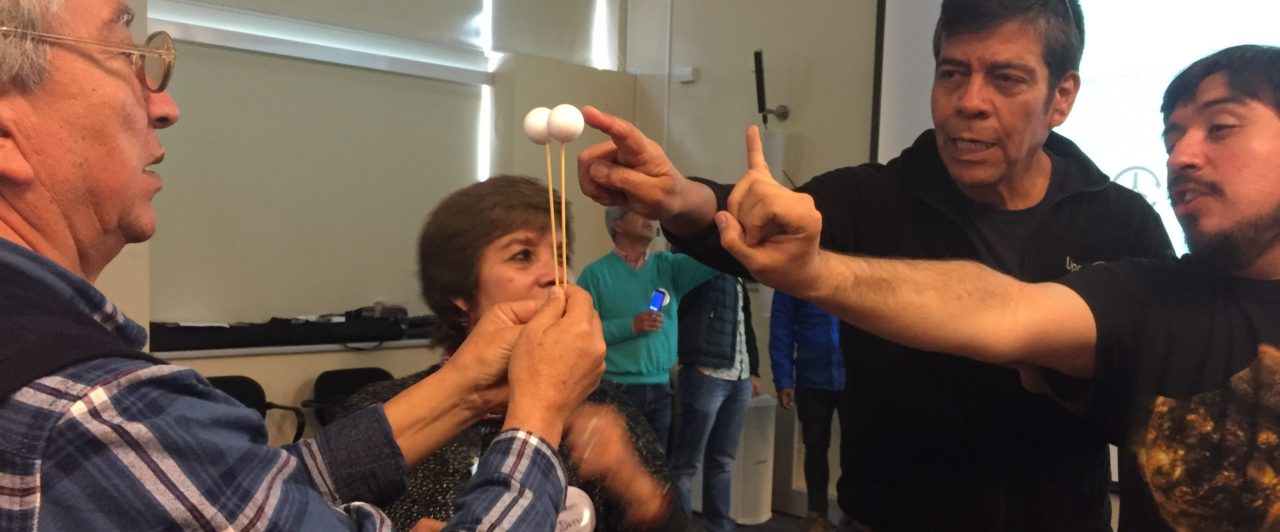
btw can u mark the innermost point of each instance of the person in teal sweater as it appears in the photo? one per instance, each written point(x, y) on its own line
point(641, 342)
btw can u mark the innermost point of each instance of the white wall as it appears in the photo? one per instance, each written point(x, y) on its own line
point(522, 82)
point(295, 187)
point(819, 59)
point(557, 29)
point(298, 187)
point(907, 74)
point(447, 22)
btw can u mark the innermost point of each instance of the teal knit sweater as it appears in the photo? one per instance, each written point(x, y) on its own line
point(621, 292)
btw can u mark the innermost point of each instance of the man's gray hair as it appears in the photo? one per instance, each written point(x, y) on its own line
point(613, 214)
point(23, 59)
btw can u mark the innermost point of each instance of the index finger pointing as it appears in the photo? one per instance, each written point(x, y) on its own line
point(755, 150)
point(624, 134)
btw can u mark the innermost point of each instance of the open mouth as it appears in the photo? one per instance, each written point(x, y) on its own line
point(1185, 190)
point(1182, 198)
point(1186, 196)
point(967, 146)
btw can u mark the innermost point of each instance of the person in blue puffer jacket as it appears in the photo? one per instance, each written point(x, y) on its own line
point(808, 370)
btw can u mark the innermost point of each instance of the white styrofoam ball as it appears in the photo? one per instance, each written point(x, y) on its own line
point(565, 123)
point(535, 125)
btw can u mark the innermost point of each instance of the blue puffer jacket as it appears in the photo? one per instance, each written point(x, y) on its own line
point(709, 325)
point(804, 345)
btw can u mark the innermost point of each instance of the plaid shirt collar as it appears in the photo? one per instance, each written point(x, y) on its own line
point(73, 289)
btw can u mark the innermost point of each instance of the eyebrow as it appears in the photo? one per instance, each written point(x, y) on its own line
point(522, 240)
point(1014, 65)
point(995, 65)
point(125, 13)
point(1225, 100)
point(1206, 106)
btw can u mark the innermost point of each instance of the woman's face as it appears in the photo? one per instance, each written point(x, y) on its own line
point(518, 265)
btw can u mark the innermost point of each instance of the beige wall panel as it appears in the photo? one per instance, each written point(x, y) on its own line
point(555, 29)
point(524, 82)
point(819, 61)
point(297, 188)
point(449, 22)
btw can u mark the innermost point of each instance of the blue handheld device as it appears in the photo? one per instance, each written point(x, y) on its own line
point(656, 300)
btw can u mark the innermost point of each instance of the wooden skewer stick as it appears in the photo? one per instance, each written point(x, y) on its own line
point(564, 231)
point(551, 208)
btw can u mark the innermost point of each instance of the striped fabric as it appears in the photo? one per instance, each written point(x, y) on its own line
point(117, 444)
point(124, 444)
point(519, 485)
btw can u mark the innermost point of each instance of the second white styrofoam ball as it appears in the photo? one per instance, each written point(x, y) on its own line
point(535, 125)
point(565, 123)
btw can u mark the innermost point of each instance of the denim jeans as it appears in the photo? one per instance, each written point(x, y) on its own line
point(708, 426)
point(654, 402)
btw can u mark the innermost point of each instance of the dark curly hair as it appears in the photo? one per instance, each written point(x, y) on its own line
point(456, 234)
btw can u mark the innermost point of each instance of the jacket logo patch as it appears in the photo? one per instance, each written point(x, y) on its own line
point(1073, 266)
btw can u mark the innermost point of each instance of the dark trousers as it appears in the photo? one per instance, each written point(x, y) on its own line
point(815, 408)
point(654, 402)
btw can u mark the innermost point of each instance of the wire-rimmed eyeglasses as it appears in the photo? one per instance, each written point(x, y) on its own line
point(152, 62)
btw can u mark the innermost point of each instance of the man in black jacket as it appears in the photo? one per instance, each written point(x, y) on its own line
point(945, 443)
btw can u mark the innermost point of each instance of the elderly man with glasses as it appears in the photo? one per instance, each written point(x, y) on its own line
point(96, 435)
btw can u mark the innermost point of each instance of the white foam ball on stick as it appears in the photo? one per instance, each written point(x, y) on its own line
point(565, 123)
point(535, 125)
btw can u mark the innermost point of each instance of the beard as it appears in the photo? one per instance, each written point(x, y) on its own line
point(1237, 247)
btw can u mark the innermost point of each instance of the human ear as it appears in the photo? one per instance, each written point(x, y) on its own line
point(1064, 98)
point(14, 166)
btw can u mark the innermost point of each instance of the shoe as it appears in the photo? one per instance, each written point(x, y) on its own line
point(817, 523)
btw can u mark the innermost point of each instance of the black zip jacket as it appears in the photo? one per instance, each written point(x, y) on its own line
point(939, 442)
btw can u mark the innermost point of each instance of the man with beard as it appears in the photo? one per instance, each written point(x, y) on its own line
point(930, 441)
point(1183, 355)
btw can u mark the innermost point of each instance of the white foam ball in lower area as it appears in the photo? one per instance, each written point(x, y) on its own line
point(535, 125)
point(565, 123)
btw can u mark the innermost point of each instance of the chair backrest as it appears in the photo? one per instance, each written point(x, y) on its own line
point(250, 394)
point(333, 387)
point(243, 389)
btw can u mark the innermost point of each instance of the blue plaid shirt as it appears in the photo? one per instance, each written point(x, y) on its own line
point(121, 444)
